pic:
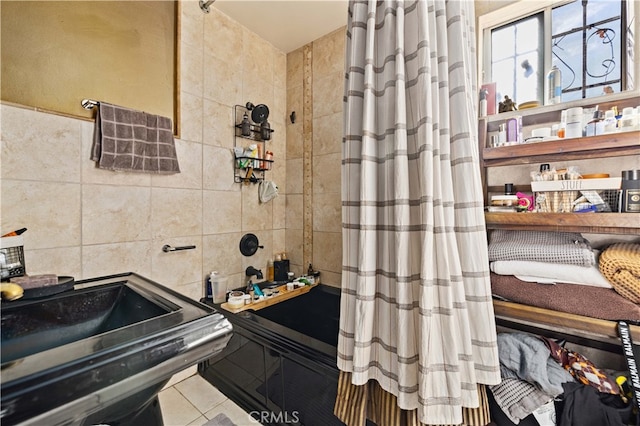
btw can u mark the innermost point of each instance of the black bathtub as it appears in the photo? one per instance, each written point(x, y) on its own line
point(280, 364)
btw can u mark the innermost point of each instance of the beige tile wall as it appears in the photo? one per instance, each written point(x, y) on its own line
point(87, 222)
point(294, 185)
point(327, 81)
point(328, 85)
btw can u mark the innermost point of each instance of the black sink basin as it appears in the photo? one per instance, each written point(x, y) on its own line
point(30, 328)
point(100, 352)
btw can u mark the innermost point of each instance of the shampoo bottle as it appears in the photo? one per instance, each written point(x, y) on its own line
point(270, 270)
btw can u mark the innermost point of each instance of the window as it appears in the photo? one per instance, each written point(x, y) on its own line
point(517, 58)
point(586, 46)
point(588, 40)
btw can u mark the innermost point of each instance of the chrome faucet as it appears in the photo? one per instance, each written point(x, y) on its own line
point(250, 272)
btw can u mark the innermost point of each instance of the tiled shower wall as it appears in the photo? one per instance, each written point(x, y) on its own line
point(323, 70)
point(86, 222)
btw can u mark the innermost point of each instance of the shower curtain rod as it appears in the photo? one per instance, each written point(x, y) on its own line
point(205, 5)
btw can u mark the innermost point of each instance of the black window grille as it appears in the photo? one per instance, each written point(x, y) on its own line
point(588, 37)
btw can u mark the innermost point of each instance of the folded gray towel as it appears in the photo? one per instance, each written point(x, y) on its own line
point(541, 246)
point(128, 140)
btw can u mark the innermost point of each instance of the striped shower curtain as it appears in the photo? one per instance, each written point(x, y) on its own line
point(416, 312)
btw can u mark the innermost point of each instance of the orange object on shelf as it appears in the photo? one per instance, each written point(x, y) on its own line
point(595, 176)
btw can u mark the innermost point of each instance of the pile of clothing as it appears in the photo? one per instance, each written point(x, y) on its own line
point(539, 375)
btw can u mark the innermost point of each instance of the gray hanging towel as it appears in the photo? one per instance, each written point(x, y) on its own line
point(128, 140)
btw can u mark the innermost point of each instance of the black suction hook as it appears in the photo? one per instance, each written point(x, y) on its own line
point(293, 117)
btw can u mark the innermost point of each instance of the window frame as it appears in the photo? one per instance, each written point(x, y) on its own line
point(522, 9)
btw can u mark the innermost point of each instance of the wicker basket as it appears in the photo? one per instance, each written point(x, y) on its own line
point(12, 257)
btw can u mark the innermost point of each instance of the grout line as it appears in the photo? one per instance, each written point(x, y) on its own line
point(307, 154)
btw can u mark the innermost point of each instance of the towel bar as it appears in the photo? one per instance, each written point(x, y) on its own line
point(89, 103)
point(167, 248)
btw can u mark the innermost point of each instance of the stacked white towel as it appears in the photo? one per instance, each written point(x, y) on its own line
point(550, 273)
point(545, 257)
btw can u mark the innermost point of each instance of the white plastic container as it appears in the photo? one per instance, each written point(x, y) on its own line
point(236, 299)
point(218, 286)
point(629, 120)
point(574, 123)
point(610, 122)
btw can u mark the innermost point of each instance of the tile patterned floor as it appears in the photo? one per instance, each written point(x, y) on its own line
point(192, 401)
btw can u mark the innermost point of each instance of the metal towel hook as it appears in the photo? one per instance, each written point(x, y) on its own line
point(89, 103)
point(205, 5)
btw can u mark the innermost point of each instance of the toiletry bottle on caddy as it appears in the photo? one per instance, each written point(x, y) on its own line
point(270, 271)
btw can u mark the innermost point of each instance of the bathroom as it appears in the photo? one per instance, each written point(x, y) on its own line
point(85, 222)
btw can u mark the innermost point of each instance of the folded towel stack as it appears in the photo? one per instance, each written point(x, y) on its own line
point(130, 140)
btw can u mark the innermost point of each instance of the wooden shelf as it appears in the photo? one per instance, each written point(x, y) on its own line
point(607, 223)
point(583, 330)
point(551, 113)
point(562, 322)
point(609, 145)
point(283, 294)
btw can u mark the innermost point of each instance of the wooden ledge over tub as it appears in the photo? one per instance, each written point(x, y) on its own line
point(283, 294)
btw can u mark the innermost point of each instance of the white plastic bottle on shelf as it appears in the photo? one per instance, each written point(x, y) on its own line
point(629, 120)
point(610, 122)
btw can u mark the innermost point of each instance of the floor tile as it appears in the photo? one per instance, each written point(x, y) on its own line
point(200, 393)
point(236, 414)
point(182, 375)
point(176, 409)
point(199, 421)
